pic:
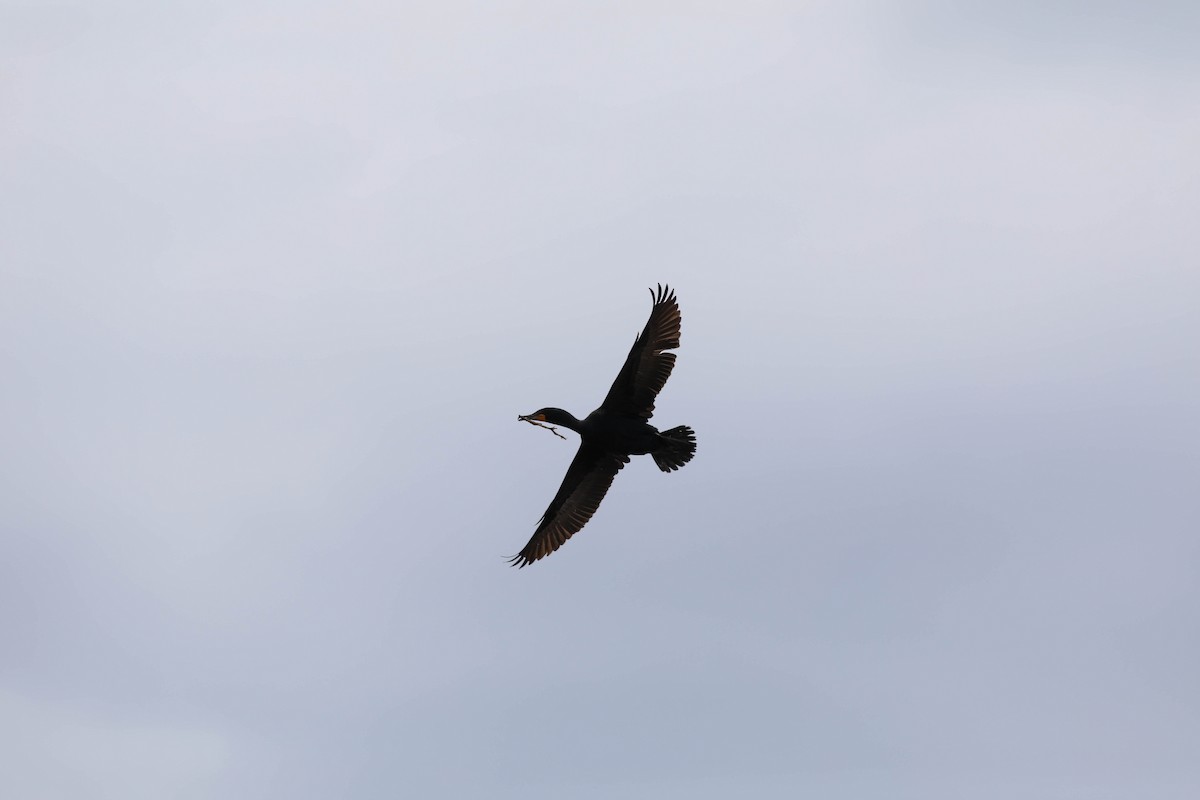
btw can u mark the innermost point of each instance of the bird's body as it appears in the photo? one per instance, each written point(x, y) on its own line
point(615, 431)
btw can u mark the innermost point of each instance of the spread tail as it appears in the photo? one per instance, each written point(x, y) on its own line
point(677, 447)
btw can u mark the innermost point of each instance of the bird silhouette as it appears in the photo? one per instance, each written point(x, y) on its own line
point(615, 431)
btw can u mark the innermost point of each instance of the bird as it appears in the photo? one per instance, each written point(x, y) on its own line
point(612, 433)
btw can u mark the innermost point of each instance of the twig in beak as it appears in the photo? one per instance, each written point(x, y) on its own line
point(540, 425)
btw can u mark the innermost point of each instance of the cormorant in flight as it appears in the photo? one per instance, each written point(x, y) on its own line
point(615, 431)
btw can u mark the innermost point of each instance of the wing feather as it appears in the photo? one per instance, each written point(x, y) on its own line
point(587, 480)
point(647, 367)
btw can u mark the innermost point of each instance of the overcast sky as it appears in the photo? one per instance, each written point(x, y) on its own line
point(276, 279)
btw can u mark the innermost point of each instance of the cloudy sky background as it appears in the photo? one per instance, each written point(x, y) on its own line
point(276, 279)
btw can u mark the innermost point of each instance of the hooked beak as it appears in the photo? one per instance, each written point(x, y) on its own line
point(531, 418)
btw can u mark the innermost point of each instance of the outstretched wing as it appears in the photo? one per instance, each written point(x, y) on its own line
point(647, 367)
point(587, 481)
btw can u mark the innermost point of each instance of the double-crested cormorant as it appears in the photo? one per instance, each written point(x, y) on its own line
point(615, 431)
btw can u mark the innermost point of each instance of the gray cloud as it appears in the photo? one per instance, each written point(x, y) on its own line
point(276, 281)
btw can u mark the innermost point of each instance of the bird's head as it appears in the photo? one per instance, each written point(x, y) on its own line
point(555, 416)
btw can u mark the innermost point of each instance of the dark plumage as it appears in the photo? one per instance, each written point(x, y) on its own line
point(615, 431)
